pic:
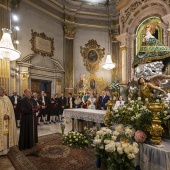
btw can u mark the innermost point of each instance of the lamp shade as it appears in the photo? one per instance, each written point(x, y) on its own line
point(7, 50)
point(108, 65)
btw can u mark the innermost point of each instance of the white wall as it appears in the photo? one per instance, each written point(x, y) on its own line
point(31, 19)
point(82, 37)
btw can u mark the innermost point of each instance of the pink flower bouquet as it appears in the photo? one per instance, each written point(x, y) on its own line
point(140, 136)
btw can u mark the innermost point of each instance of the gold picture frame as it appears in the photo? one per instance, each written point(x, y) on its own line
point(92, 55)
point(94, 83)
point(41, 44)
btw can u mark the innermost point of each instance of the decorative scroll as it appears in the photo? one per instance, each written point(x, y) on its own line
point(92, 55)
point(41, 44)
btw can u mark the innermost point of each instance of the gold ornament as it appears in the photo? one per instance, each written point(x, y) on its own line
point(109, 105)
point(156, 129)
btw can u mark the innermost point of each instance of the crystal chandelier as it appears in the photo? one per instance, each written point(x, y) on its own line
point(7, 50)
point(108, 65)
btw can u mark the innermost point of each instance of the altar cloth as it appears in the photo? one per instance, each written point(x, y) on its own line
point(85, 114)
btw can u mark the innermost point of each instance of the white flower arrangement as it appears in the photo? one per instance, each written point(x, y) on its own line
point(117, 145)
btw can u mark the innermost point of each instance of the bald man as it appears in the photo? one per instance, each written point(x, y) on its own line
point(28, 128)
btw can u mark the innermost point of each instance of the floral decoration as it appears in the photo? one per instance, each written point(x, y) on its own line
point(116, 146)
point(75, 139)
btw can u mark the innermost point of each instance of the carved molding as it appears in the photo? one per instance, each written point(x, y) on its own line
point(41, 44)
point(121, 4)
point(69, 31)
point(92, 55)
point(24, 76)
point(123, 48)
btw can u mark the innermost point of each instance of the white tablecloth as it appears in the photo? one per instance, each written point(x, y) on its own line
point(85, 114)
point(154, 158)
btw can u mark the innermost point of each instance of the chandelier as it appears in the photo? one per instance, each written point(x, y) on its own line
point(108, 65)
point(7, 50)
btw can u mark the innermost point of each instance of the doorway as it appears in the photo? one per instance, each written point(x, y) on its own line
point(41, 85)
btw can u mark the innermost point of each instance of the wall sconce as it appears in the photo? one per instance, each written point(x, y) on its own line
point(14, 68)
point(16, 42)
point(13, 74)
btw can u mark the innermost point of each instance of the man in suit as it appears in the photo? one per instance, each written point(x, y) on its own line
point(62, 105)
point(71, 100)
point(103, 99)
point(43, 101)
point(15, 100)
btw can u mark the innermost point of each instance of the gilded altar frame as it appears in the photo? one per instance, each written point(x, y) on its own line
point(41, 44)
point(92, 55)
point(94, 83)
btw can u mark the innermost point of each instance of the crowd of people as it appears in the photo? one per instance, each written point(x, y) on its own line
point(32, 110)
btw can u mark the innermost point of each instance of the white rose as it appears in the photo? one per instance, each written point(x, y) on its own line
point(157, 100)
point(101, 147)
point(124, 145)
point(129, 99)
point(146, 99)
point(165, 112)
point(144, 107)
point(119, 128)
point(116, 133)
point(103, 129)
point(106, 141)
point(132, 118)
point(108, 131)
point(131, 156)
point(120, 150)
point(114, 138)
point(118, 144)
point(139, 98)
point(166, 105)
point(135, 144)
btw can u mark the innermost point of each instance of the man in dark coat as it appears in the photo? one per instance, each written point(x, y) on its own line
point(71, 100)
point(43, 101)
point(103, 99)
point(62, 105)
point(15, 100)
point(28, 128)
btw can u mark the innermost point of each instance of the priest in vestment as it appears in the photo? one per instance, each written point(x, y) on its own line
point(8, 132)
point(28, 128)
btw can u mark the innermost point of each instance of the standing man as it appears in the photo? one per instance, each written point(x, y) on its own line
point(8, 132)
point(103, 99)
point(43, 101)
point(62, 105)
point(15, 99)
point(28, 129)
point(71, 100)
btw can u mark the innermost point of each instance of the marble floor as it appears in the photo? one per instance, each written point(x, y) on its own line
point(46, 129)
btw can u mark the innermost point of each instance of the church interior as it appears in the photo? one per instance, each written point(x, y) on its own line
point(95, 47)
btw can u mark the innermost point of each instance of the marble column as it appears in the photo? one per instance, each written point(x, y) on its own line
point(69, 32)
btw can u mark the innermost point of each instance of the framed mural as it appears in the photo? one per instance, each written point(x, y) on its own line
point(41, 44)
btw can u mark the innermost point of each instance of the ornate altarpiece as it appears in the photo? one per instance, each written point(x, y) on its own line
point(92, 55)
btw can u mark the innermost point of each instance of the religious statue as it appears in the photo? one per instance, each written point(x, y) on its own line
point(151, 49)
point(146, 89)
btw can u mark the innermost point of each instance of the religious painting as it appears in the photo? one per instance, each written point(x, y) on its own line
point(41, 44)
point(92, 56)
point(92, 84)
